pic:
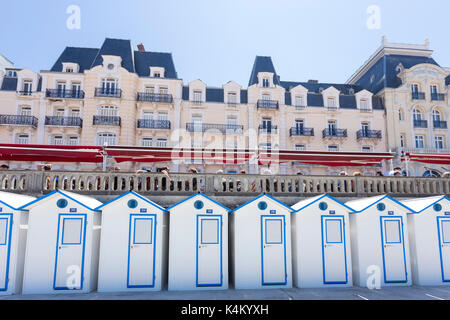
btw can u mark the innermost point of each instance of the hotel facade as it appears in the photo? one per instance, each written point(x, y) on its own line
point(115, 95)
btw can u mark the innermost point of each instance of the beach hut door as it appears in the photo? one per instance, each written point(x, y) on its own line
point(393, 246)
point(5, 238)
point(273, 251)
point(444, 242)
point(209, 251)
point(334, 251)
point(70, 248)
point(141, 262)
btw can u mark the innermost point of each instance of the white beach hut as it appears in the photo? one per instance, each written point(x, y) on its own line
point(429, 236)
point(260, 240)
point(379, 242)
point(13, 237)
point(62, 244)
point(321, 252)
point(133, 245)
point(198, 244)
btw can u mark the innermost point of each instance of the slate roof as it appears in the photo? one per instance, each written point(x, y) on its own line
point(262, 64)
point(144, 60)
point(9, 84)
point(83, 56)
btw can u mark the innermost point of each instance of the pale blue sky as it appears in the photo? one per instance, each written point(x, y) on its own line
point(217, 41)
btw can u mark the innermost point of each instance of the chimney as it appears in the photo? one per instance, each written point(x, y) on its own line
point(313, 81)
point(141, 47)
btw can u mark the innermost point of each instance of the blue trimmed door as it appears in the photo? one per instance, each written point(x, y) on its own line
point(333, 250)
point(69, 264)
point(273, 246)
point(141, 254)
point(444, 247)
point(393, 247)
point(209, 251)
point(5, 249)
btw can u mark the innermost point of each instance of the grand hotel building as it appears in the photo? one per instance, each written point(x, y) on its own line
point(398, 100)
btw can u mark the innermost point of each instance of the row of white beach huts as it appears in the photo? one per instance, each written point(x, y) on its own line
point(69, 243)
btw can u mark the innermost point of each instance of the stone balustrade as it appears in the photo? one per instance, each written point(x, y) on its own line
point(99, 183)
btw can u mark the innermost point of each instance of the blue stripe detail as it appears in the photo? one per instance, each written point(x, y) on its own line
point(323, 197)
point(381, 199)
point(51, 194)
point(132, 193)
point(440, 239)
point(259, 197)
point(195, 195)
point(283, 219)
point(8, 255)
point(431, 205)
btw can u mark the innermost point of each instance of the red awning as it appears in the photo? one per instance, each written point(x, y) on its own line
point(432, 158)
point(46, 153)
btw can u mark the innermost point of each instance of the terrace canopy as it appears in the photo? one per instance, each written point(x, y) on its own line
point(431, 158)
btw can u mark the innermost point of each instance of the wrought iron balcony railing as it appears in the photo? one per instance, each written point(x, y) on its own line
point(420, 124)
point(24, 93)
point(268, 104)
point(437, 97)
point(108, 92)
point(154, 124)
point(107, 121)
point(440, 124)
point(18, 120)
point(63, 121)
point(334, 133)
point(418, 95)
point(268, 129)
point(155, 97)
point(369, 134)
point(365, 110)
point(223, 128)
point(64, 94)
point(305, 132)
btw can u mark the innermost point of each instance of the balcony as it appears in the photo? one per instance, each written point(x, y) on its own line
point(154, 124)
point(154, 97)
point(18, 120)
point(368, 134)
point(334, 133)
point(437, 97)
point(223, 128)
point(300, 107)
point(301, 132)
point(267, 104)
point(332, 109)
point(268, 129)
point(64, 121)
point(418, 95)
point(107, 121)
point(24, 93)
point(108, 92)
point(64, 94)
point(420, 124)
point(365, 110)
point(440, 124)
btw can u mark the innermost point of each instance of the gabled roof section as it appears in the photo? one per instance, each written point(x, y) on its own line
point(361, 205)
point(422, 204)
point(145, 60)
point(85, 201)
point(14, 201)
point(198, 195)
point(263, 64)
point(132, 193)
point(84, 57)
point(264, 195)
point(308, 202)
point(116, 47)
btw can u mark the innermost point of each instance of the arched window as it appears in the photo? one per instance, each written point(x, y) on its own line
point(436, 116)
point(417, 114)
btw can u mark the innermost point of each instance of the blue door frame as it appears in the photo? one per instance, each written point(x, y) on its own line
point(82, 243)
point(132, 241)
point(7, 242)
point(442, 241)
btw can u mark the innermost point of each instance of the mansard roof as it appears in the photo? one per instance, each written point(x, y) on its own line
point(263, 64)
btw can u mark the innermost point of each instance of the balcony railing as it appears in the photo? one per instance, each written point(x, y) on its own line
point(300, 107)
point(64, 94)
point(437, 97)
point(302, 132)
point(418, 95)
point(333, 109)
point(24, 93)
point(64, 121)
point(365, 110)
point(154, 124)
point(223, 128)
point(268, 129)
point(440, 124)
point(107, 92)
point(155, 97)
point(369, 134)
point(334, 133)
point(268, 104)
point(18, 120)
point(420, 124)
point(107, 121)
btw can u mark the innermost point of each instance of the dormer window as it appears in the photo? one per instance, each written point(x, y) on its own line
point(157, 75)
point(70, 67)
point(331, 103)
point(69, 70)
point(157, 72)
point(11, 74)
point(364, 104)
point(27, 87)
point(197, 96)
point(232, 98)
point(300, 102)
point(266, 83)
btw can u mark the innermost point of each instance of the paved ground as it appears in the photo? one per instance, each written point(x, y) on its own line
point(355, 293)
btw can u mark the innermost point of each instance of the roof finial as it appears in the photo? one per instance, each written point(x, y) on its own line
point(383, 40)
point(427, 43)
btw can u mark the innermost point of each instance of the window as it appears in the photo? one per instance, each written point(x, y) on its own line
point(25, 111)
point(162, 116)
point(107, 111)
point(365, 127)
point(414, 88)
point(402, 141)
point(11, 74)
point(147, 115)
point(419, 142)
point(74, 141)
point(232, 98)
point(364, 104)
point(436, 116)
point(299, 125)
point(300, 101)
point(439, 142)
point(331, 103)
point(300, 147)
point(197, 96)
point(162, 143)
point(417, 115)
point(433, 89)
point(163, 90)
point(332, 127)
point(70, 70)
point(76, 88)
point(149, 89)
point(58, 140)
point(23, 139)
point(266, 82)
point(147, 142)
point(265, 146)
point(333, 148)
point(266, 97)
point(109, 139)
point(75, 113)
point(109, 86)
point(366, 149)
point(157, 75)
point(27, 87)
point(59, 112)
